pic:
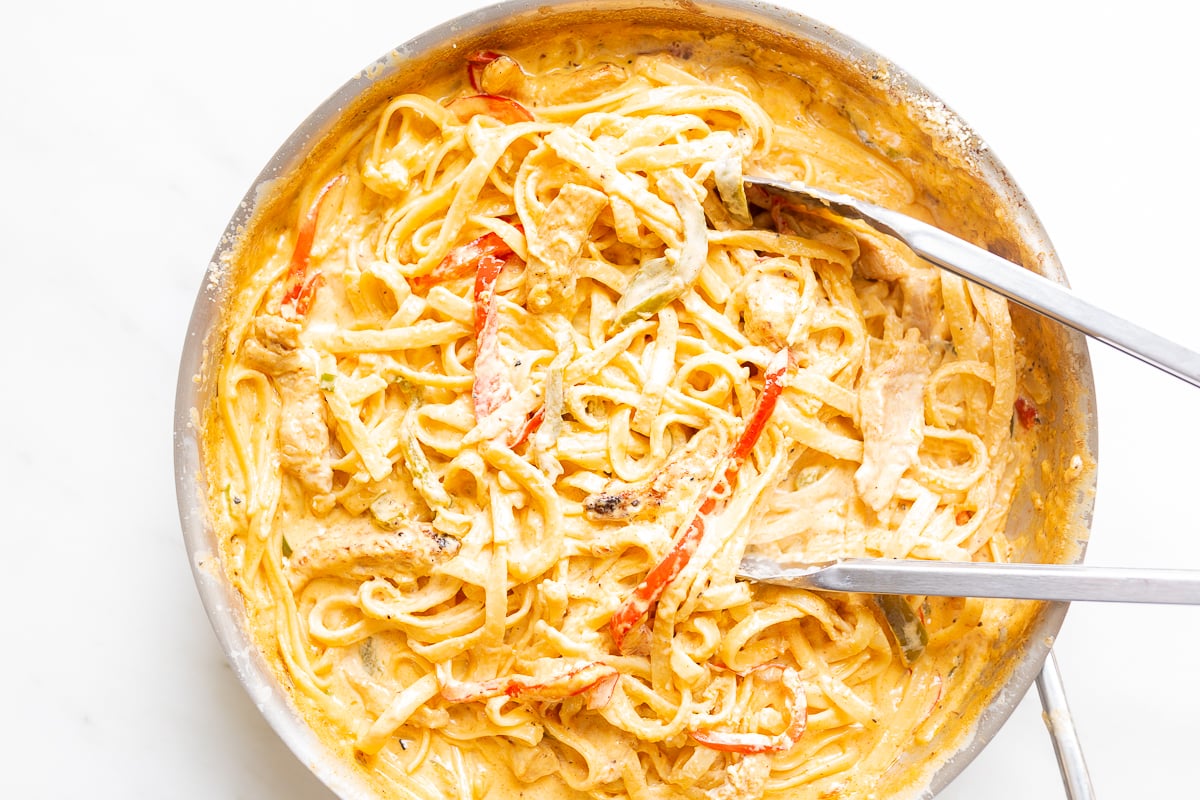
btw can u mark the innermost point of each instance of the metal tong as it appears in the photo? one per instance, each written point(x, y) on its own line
point(1003, 277)
point(1059, 582)
point(1058, 303)
point(1032, 581)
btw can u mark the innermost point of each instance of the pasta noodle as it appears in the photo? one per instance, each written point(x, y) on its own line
point(528, 372)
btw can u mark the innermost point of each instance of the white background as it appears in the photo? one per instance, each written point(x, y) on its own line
point(128, 134)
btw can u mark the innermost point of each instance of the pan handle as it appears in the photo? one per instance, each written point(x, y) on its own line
point(1057, 716)
point(993, 272)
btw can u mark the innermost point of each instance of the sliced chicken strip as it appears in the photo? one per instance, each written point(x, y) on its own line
point(504, 76)
point(674, 487)
point(884, 259)
point(557, 244)
point(274, 350)
point(892, 403)
point(360, 551)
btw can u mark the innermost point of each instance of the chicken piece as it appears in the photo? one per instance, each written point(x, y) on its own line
point(745, 778)
point(922, 307)
point(884, 259)
point(564, 229)
point(273, 346)
point(534, 763)
point(673, 487)
point(772, 303)
point(880, 259)
point(892, 403)
point(581, 84)
point(360, 551)
point(504, 76)
point(275, 351)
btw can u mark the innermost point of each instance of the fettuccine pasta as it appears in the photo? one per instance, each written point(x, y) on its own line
point(525, 375)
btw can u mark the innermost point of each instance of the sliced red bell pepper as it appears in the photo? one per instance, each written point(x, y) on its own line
point(464, 259)
point(308, 291)
point(490, 389)
point(751, 743)
point(1027, 413)
point(652, 586)
point(655, 583)
point(531, 425)
point(772, 388)
point(485, 257)
point(476, 63)
point(601, 692)
point(300, 288)
point(487, 270)
point(493, 105)
point(568, 683)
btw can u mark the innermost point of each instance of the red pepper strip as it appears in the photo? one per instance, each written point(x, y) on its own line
point(491, 105)
point(464, 259)
point(665, 571)
point(571, 682)
point(308, 291)
point(772, 388)
point(476, 63)
point(489, 390)
point(1027, 413)
point(602, 691)
point(751, 743)
point(298, 284)
point(531, 425)
point(655, 582)
point(487, 270)
point(485, 257)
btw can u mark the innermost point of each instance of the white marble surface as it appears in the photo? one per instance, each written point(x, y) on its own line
point(128, 133)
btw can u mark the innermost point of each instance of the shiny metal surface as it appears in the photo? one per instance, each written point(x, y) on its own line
point(1060, 582)
point(1067, 750)
point(204, 345)
point(1000, 275)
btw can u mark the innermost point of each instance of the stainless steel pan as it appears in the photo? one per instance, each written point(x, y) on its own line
point(974, 198)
